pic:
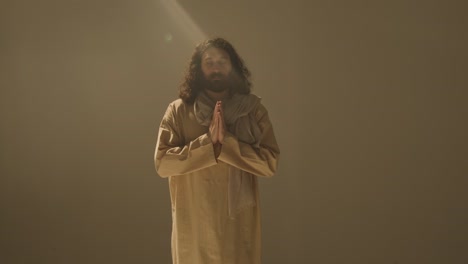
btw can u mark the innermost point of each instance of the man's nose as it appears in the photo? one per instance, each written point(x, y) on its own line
point(217, 66)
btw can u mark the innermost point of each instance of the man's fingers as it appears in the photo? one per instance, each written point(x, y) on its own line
point(215, 110)
point(221, 128)
point(220, 106)
point(214, 126)
point(217, 123)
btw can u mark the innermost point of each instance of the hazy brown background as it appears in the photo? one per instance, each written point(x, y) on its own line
point(368, 100)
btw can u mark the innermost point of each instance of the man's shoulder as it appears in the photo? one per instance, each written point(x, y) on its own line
point(175, 108)
point(259, 110)
point(254, 96)
point(258, 102)
point(178, 104)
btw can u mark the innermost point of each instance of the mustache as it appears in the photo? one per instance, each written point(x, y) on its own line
point(216, 75)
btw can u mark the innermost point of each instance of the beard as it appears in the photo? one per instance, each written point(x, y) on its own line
point(217, 82)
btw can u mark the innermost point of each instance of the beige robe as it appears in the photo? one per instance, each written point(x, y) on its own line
point(202, 231)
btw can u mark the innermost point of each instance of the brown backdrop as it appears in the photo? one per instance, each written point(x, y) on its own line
point(368, 100)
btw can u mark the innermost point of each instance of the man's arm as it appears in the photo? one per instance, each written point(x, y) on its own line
point(261, 161)
point(172, 158)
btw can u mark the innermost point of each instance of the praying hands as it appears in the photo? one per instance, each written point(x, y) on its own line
point(217, 128)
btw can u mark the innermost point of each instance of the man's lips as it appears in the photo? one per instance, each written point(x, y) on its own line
point(217, 77)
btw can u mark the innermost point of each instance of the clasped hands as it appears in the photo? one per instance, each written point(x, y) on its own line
point(217, 127)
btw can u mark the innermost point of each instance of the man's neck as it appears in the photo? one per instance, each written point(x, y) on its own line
point(217, 96)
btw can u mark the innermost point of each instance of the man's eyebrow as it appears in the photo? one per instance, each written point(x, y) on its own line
point(208, 57)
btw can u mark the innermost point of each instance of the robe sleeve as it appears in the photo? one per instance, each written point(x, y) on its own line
point(175, 157)
point(262, 161)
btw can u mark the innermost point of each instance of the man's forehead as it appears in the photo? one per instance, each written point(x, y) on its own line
point(215, 53)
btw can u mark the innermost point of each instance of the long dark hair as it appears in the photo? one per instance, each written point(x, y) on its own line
point(190, 86)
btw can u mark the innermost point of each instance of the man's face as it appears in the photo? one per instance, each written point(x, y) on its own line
point(216, 67)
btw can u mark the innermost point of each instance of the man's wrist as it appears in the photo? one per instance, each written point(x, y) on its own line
point(217, 149)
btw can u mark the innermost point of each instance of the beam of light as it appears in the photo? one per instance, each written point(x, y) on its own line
point(184, 22)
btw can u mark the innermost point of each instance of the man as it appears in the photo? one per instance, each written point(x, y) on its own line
point(212, 144)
